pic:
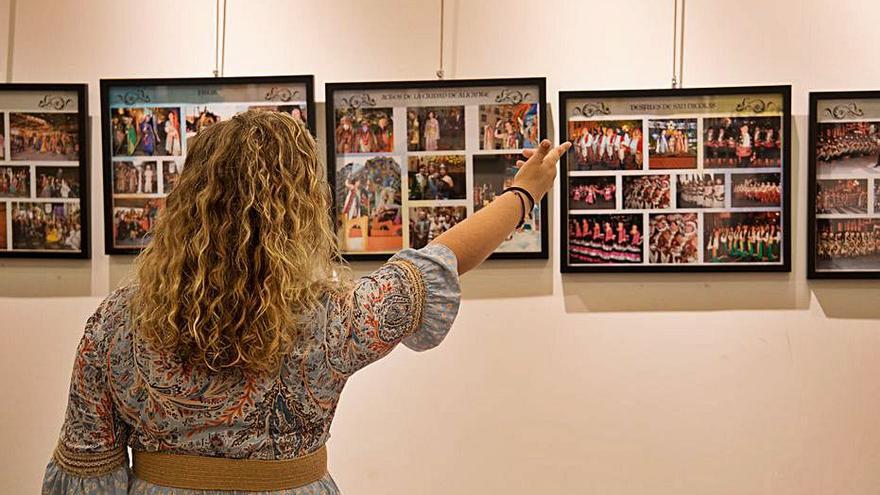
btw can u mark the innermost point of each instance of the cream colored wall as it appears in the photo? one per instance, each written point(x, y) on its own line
point(624, 384)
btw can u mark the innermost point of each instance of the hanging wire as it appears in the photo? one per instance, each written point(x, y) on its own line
point(681, 48)
point(217, 39)
point(223, 45)
point(11, 41)
point(440, 71)
point(674, 42)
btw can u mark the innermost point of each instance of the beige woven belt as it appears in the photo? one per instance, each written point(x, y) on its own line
point(220, 473)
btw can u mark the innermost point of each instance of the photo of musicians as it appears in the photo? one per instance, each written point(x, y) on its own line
point(426, 223)
point(146, 131)
point(435, 128)
point(133, 219)
point(747, 237)
point(606, 144)
point(756, 190)
point(592, 193)
point(493, 174)
point(672, 144)
point(742, 142)
point(44, 136)
point(646, 192)
point(842, 196)
point(509, 127)
point(437, 177)
point(46, 226)
point(700, 191)
point(364, 130)
point(848, 147)
point(369, 216)
point(673, 238)
point(57, 182)
point(15, 182)
point(848, 244)
point(603, 239)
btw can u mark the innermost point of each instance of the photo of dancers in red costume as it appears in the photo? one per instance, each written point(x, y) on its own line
point(848, 147)
point(842, 196)
point(672, 144)
point(700, 191)
point(509, 127)
point(44, 136)
point(673, 238)
point(15, 182)
point(646, 192)
point(756, 190)
point(605, 239)
point(364, 130)
point(592, 193)
point(606, 144)
point(435, 128)
point(742, 142)
point(369, 215)
point(848, 244)
point(426, 223)
point(46, 226)
point(752, 237)
point(146, 131)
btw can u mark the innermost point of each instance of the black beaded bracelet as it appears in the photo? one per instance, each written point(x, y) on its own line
point(519, 193)
point(527, 194)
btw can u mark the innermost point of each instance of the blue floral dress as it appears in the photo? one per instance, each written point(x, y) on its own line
point(124, 394)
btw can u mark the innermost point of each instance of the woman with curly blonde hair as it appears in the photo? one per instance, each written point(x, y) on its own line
point(222, 365)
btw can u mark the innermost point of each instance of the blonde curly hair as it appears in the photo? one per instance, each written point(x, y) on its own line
point(243, 249)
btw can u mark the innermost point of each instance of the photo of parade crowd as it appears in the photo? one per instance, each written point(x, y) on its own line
point(742, 142)
point(368, 199)
point(604, 239)
point(673, 238)
point(592, 193)
point(752, 237)
point(170, 174)
point(672, 143)
point(848, 244)
point(426, 223)
point(135, 177)
point(700, 191)
point(146, 131)
point(46, 226)
point(646, 192)
point(509, 127)
point(58, 182)
point(848, 147)
point(606, 144)
point(847, 196)
point(364, 130)
point(756, 190)
point(44, 136)
point(15, 182)
point(133, 219)
point(437, 177)
point(435, 128)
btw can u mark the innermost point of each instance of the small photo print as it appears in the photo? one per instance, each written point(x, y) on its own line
point(492, 175)
point(146, 131)
point(673, 144)
point(847, 244)
point(756, 190)
point(752, 237)
point(847, 148)
point(673, 238)
point(200, 117)
point(135, 177)
point(44, 136)
point(592, 193)
point(369, 216)
point(742, 142)
point(58, 182)
point(606, 144)
point(170, 174)
point(437, 177)
point(435, 128)
point(364, 130)
point(296, 111)
point(646, 192)
point(3, 213)
point(46, 226)
point(509, 127)
point(427, 223)
point(605, 239)
point(846, 196)
point(15, 181)
point(700, 191)
point(133, 220)
point(2, 137)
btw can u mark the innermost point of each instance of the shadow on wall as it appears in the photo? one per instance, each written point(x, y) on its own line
point(121, 270)
point(45, 278)
point(849, 299)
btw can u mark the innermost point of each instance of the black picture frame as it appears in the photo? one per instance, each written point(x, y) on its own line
point(82, 119)
point(308, 81)
point(783, 90)
point(332, 88)
point(812, 181)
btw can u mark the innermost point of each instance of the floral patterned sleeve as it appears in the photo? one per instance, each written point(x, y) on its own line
point(413, 299)
point(91, 456)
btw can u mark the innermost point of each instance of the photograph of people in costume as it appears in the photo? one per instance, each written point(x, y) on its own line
point(742, 142)
point(368, 199)
point(492, 175)
point(606, 144)
point(295, 111)
point(57, 182)
point(435, 128)
point(844, 196)
point(15, 182)
point(364, 130)
point(604, 239)
point(3, 220)
point(426, 223)
point(437, 177)
point(44, 136)
point(756, 190)
point(2, 136)
point(673, 238)
point(46, 226)
point(133, 219)
point(700, 191)
point(848, 244)
point(646, 192)
point(170, 174)
point(592, 193)
point(672, 144)
point(843, 148)
point(146, 131)
point(200, 117)
point(509, 127)
point(139, 177)
point(749, 237)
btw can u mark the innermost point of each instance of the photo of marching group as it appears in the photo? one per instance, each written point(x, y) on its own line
point(44, 136)
point(746, 237)
point(364, 130)
point(848, 244)
point(592, 193)
point(848, 147)
point(700, 191)
point(435, 128)
point(369, 204)
point(742, 142)
point(673, 144)
point(492, 175)
point(606, 144)
point(646, 192)
point(426, 223)
point(602, 239)
point(509, 127)
point(146, 131)
point(673, 238)
point(436, 177)
point(842, 196)
point(756, 190)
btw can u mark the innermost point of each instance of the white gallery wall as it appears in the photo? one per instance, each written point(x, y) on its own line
point(612, 384)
